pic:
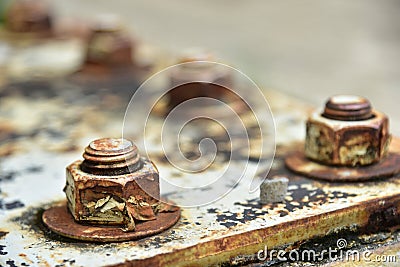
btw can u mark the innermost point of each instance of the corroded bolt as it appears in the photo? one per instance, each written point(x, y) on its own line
point(109, 44)
point(113, 185)
point(29, 16)
point(348, 133)
point(198, 79)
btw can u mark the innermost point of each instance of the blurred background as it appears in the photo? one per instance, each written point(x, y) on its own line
point(309, 49)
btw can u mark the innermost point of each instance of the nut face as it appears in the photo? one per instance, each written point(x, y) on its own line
point(113, 200)
point(347, 143)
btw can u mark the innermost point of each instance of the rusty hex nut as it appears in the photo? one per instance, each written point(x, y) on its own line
point(201, 79)
point(109, 44)
point(113, 185)
point(29, 16)
point(348, 133)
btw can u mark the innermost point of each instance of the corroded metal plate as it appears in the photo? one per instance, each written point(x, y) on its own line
point(44, 129)
point(60, 221)
point(389, 166)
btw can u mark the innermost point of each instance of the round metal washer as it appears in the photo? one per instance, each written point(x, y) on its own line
point(60, 221)
point(387, 167)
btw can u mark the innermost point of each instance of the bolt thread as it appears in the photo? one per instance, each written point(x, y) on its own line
point(348, 108)
point(109, 156)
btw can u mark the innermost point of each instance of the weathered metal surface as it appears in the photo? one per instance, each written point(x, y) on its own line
point(44, 130)
point(235, 225)
point(387, 167)
point(59, 220)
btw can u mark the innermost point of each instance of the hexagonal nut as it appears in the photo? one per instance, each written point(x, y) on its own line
point(347, 143)
point(110, 48)
point(112, 200)
point(198, 76)
point(26, 16)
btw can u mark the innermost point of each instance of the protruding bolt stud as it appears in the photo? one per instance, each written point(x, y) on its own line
point(29, 16)
point(349, 133)
point(111, 156)
point(348, 108)
point(112, 186)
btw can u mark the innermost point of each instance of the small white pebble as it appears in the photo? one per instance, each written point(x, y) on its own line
point(273, 190)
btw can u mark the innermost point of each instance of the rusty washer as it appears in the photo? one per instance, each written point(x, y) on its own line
point(348, 141)
point(113, 186)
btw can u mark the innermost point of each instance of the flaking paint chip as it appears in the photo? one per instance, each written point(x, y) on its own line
point(273, 190)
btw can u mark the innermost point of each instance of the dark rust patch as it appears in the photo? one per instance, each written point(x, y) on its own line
point(60, 221)
point(3, 233)
point(302, 198)
point(12, 205)
point(387, 217)
point(8, 176)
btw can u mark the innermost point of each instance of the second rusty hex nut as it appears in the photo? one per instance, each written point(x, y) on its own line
point(348, 133)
